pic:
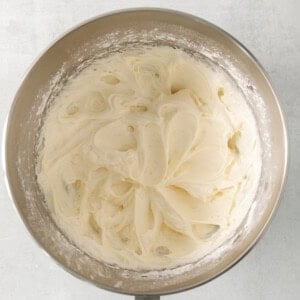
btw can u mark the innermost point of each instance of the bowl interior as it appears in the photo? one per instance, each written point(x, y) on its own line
point(100, 37)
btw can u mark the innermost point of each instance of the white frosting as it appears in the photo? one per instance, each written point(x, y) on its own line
point(149, 159)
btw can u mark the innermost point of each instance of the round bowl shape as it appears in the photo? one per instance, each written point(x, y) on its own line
point(115, 32)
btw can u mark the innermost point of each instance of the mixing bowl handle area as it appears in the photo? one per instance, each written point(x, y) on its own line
point(154, 297)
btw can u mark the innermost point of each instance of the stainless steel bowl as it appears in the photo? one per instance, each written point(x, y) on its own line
point(99, 37)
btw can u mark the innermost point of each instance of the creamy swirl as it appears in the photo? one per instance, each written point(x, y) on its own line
point(150, 159)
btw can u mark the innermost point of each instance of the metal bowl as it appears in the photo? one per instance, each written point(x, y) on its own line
point(99, 37)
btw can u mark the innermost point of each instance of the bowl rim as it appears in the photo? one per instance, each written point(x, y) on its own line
point(249, 55)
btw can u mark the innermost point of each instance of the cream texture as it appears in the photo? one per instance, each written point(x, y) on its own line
point(149, 159)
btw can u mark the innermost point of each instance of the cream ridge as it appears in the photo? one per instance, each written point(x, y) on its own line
point(149, 159)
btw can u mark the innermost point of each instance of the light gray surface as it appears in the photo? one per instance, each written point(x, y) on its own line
point(271, 30)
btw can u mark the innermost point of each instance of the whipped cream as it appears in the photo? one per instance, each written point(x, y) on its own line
point(149, 159)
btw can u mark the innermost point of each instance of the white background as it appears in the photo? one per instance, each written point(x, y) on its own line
point(271, 30)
